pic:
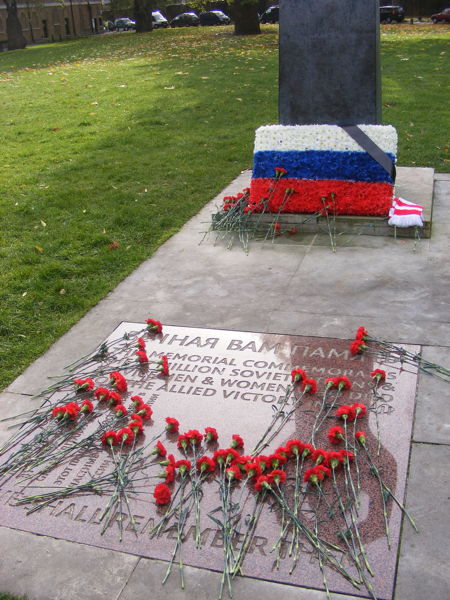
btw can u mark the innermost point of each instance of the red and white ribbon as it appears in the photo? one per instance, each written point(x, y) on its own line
point(405, 214)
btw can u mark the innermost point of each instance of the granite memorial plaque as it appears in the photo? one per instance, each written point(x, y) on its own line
point(329, 62)
point(234, 382)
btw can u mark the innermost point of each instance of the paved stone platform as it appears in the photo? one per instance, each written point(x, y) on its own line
point(396, 288)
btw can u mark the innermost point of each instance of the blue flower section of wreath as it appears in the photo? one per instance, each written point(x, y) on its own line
point(320, 164)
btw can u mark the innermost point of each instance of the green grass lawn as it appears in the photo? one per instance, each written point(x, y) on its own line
point(110, 143)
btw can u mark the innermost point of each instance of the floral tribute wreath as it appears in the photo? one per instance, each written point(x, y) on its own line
point(319, 160)
point(325, 482)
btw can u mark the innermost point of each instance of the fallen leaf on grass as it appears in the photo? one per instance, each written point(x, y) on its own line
point(39, 249)
point(62, 291)
point(43, 223)
point(114, 245)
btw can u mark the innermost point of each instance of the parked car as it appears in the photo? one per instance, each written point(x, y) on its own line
point(214, 17)
point(187, 19)
point(392, 13)
point(124, 24)
point(159, 20)
point(271, 15)
point(442, 17)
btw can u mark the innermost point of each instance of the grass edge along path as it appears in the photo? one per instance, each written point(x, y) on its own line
point(112, 143)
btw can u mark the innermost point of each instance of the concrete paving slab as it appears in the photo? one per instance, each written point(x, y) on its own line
point(204, 585)
point(424, 557)
point(48, 569)
point(432, 418)
point(388, 328)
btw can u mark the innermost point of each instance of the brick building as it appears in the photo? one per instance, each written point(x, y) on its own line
point(50, 21)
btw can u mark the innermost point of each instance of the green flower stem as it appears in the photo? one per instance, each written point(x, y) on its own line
point(319, 418)
point(248, 536)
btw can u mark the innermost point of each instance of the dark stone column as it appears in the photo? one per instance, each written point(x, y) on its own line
point(329, 62)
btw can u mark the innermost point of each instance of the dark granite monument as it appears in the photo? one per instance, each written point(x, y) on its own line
point(232, 381)
point(329, 62)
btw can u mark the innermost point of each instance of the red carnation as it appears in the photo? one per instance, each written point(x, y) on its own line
point(205, 464)
point(183, 466)
point(137, 401)
point(335, 434)
point(234, 472)
point(357, 346)
point(194, 437)
point(237, 441)
point(253, 469)
point(277, 459)
point(137, 418)
point(334, 459)
point(142, 356)
point(262, 483)
point(277, 475)
point(378, 375)
point(297, 375)
point(86, 406)
point(58, 412)
point(211, 434)
point(72, 409)
point(361, 333)
point(346, 412)
point(307, 450)
point(169, 473)
point(154, 326)
point(102, 394)
point(263, 462)
point(141, 343)
point(182, 442)
point(120, 410)
point(84, 384)
point(162, 494)
point(145, 411)
point(118, 381)
point(332, 382)
point(344, 383)
point(314, 475)
point(225, 456)
point(136, 427)
point(309, 385)
point(295, 447)
point(361, 437)
point(172, 425)
point(109, 438)
point(125, 435)
point(359, 410)
point(164, 368)
point(346, 455)
point(159, 449)
point(114, 398)
point(319, 456)
point(280, 171)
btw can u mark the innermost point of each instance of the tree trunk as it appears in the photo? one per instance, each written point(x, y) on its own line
point(245, 16)
point(143, 15)
point(16, 39)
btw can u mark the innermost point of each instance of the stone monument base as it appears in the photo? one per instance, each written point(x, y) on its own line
point(413, 183)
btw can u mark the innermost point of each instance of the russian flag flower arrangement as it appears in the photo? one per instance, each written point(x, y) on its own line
point(310, 162)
